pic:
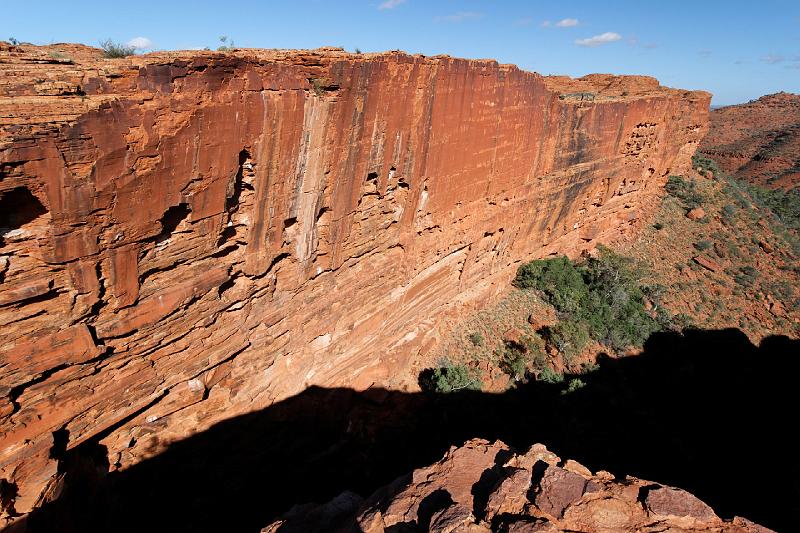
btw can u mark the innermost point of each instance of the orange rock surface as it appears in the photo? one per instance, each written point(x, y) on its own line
point(759, 140)
point(191, 235)
point(484, 487)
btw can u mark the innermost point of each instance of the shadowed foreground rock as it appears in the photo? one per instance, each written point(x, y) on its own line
point(484, 487)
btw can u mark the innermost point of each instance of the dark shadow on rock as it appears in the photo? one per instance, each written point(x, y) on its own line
point(706, 411)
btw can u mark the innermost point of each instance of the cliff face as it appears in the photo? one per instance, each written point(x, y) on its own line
point(758, 141)
point(191, 235)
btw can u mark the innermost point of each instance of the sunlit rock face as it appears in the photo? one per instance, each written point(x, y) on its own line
point(191, 235)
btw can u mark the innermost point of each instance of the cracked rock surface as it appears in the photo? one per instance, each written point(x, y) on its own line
point(188, 236)
point(484, 487)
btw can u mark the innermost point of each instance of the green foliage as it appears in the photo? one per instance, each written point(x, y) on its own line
point(728, 212)
point(574, 384)
point(227, 44)
point(658, 226)
point(601, 299)
point(682, 321)
point(558, 279)
point(703, 245)
point(514, 363)
point(358, 50)
point(548, 375)
point(704, 164)
point(569, 336)
point(685, 191)
point(13, 41)
point(516, 358)
point(114, 50)
point(476, 338)
point(746, 276)
point(450, 378)
point(784, 204)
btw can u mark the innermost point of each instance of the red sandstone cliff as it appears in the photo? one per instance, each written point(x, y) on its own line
point(758, 141)
point(191, 235)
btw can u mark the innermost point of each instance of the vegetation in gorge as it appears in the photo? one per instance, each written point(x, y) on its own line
point(735, 267)
point(450, 377)
point(600, 299)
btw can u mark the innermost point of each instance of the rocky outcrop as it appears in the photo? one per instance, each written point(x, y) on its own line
point(483, 487)
point(758, 141)
point(191, 235)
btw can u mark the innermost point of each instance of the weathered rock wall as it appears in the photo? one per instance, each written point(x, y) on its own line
point(758, 141)
point(192, 235)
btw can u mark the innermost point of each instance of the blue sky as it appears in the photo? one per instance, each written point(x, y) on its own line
point(738, 50)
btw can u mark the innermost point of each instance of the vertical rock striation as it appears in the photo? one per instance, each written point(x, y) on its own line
point(191, 235)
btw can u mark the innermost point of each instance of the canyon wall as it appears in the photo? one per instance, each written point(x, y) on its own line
point(191, 235)
point(758, 141)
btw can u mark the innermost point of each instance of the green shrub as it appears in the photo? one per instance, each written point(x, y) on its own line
point(601, 299)
point(704, 163)
point(574, 384)
point(658, 226)
point(784, 204)
point(514, 363)
point(703, 245)
point(476, 338)
point(558, 279)
point(227, 44)
point(569, 336)
point(548, 375)
point(746, 276)
point(685, 191)
point(450, 378)
point(113, 49)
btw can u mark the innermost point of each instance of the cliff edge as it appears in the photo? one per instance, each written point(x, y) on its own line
point(191, 235)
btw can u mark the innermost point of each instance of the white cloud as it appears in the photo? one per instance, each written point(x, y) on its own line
point(460, 16)
point(140, 43)
point(567, 23)
point(597, 40)
point(391, 4)
point(773, 58)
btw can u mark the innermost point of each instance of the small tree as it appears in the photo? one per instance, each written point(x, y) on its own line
point(113, 49)
point(476, 338)
point(227, 44)
point(450, 378)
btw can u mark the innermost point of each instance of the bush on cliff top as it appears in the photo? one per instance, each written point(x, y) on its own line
point(113, 49)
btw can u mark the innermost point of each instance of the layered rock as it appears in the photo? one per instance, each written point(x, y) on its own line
point(758, 141)
point(483, 487)
point(191, 235)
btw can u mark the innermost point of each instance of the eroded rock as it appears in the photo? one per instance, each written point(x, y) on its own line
point(187, 236)
point(560, 500)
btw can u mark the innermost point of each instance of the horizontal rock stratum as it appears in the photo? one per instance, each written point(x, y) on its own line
point(484, 487)
point(191, 235)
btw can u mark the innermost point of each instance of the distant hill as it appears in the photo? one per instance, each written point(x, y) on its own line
point(758, 141)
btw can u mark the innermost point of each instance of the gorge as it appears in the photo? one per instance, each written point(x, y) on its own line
point(191, 236)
